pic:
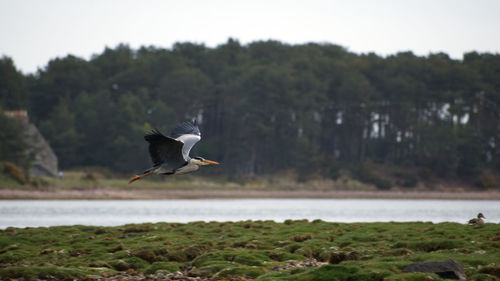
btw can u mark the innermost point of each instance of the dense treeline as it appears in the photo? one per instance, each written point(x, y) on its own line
point(267, 106)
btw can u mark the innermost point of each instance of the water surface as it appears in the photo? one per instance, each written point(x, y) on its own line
point(23, 213)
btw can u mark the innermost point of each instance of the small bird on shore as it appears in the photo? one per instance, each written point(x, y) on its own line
point(478, 220)
point(170, 155)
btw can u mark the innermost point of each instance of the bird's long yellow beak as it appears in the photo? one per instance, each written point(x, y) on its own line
point(211, 162)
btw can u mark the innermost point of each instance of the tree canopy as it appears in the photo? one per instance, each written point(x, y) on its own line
point(268, 106)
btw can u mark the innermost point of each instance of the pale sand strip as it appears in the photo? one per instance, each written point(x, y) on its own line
point(109, 193)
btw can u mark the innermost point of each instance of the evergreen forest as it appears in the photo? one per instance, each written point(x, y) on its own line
point(266, 107)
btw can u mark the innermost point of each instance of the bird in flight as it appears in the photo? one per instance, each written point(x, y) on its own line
point(170, 155)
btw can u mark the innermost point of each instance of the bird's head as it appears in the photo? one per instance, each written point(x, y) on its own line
point(480, 215)
point(202, 161)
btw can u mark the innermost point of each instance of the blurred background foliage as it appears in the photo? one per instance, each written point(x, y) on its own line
point(267, 107)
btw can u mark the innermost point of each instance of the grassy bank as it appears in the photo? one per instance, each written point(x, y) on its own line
point(100, 178)
point(95, 185)
point(96, 178)
point(259, 250)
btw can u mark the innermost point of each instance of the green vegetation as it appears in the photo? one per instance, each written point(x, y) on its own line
point(91, 178)
point(12, 146)
point(252, 249)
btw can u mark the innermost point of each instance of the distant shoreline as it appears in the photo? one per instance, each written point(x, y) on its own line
point(150, 194)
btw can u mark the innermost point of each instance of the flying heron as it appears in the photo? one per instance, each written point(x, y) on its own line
point(170, 155)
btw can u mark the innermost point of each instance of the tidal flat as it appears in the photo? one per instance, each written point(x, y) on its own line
point(249, 250)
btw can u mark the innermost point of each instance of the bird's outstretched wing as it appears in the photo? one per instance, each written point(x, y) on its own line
point(189, 134)
point(185, 128)
point(165, 150)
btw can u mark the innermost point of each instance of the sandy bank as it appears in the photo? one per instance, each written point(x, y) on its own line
point(109, 193)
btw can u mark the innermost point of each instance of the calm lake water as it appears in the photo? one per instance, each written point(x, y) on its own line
point(34, 213)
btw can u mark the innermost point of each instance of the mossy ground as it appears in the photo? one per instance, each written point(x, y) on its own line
point(356, 251)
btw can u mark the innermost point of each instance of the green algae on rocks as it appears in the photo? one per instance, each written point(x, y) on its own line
point(259, 250)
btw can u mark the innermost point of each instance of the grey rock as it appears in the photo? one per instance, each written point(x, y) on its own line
point(446, 269)
point(44, 160)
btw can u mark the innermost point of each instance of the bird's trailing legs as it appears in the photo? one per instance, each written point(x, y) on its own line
point(137, 177)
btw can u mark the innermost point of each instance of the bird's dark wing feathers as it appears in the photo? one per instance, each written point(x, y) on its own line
point(164, 150)
point(185, 128)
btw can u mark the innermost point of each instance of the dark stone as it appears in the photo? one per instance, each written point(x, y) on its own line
point(336, 258)
point(449, 269)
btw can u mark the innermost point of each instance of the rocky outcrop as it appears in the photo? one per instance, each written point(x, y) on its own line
point(43, 159)
point(449, 269)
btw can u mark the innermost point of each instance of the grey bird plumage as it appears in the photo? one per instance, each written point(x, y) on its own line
point(170, 155)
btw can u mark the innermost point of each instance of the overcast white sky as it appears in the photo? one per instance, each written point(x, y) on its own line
point(33, 31)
